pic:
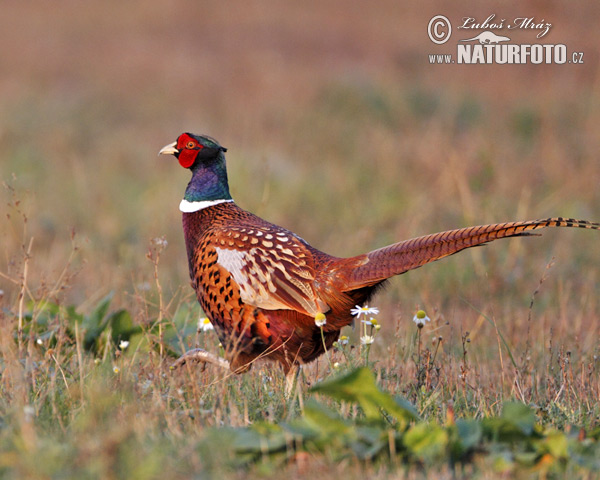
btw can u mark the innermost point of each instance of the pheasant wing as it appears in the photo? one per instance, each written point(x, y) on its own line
point(273, 268)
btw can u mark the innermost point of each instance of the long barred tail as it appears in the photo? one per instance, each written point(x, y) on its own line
point(403, 256)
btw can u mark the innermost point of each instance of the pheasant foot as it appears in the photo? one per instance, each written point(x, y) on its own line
point(198, 355)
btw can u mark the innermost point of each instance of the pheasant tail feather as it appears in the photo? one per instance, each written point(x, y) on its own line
point(410, 254)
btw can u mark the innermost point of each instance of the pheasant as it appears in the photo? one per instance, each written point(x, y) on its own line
point(262, 286)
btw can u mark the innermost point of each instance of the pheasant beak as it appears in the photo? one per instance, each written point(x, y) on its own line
point(170, 149)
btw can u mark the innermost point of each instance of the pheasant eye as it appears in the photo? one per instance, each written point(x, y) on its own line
point(191, 145)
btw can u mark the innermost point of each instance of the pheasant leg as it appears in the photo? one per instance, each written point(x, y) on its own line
point(198, 355)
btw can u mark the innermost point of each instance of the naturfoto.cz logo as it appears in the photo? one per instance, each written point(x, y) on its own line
point(489, 47)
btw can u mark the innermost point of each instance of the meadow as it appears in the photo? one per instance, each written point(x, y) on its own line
point(339, 129)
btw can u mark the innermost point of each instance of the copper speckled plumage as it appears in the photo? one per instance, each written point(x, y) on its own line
point(262, 285)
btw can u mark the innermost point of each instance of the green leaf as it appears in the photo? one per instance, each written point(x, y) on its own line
point(556, 444)
point(187, 313)
point(520, 416)
point(516, 423)
point(46, 310)
point(323, 420)
point(426, 441)
point(173, 338)
point(585, 454)
point(501, 461)
point(526, 459)
point(138, 342)
point(95, 318)
point(122, 326)
point(261, 438)
point(359, 386)
point(73, 316)
point(95, 323)
point(370, 442)
point(409, 410)
point(300, 430)
point(469, 433)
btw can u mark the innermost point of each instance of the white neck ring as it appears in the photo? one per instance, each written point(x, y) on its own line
point(189, 207)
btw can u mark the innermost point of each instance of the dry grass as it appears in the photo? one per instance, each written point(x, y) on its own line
point(336, 128)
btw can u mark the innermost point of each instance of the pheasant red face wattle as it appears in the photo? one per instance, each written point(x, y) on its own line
point(187, 157)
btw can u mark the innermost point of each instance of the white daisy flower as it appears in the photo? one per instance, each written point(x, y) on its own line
point(320, 320)
point(123, 344)
point(116, 369)
point(367, 340)
point(421, 318)
point(204, 325)
point(343, 340)
point(366, 310)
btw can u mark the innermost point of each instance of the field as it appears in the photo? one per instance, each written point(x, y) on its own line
point(338, 128)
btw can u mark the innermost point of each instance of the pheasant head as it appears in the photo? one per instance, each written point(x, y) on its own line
point(206, 160)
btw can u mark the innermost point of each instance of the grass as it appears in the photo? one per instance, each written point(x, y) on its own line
point(336, 130)
point(75, 403)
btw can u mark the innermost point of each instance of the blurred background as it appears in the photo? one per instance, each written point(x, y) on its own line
point(337, 126)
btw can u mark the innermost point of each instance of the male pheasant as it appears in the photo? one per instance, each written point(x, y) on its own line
point(261, 285)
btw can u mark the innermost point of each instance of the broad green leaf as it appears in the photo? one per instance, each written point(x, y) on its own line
point(95, 323)
point(502, 461)
point(260, 440)
point(585, 454)
point(95, 318)
point(469, 432)
point(370, 442)
point(73, 316)
point(122, 326)
point(526, 459)
point(300, 429)
point(172, 337)
point(324, 420)
point(45, 311)
point(555, 443)
point(426, 441)
point(409, 409)
point(187, 312)
point(138, 342)
point(519, 415)
point(359, 386)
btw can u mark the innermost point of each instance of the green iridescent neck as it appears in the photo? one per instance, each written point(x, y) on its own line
point(209, 181)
